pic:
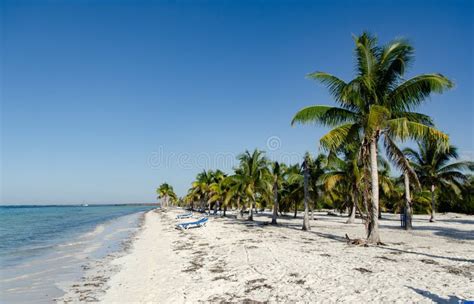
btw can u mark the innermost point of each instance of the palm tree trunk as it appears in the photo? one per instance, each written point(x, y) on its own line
point(306, 225)
point(433, 201)
point(373, 235)
point(275, 204)
point(252, 202)
point(408, 211)
point(352, 216)
point(225, 209)
point(296, 209)
point(238, 206)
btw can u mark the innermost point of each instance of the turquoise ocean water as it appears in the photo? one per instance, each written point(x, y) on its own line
point(43, 248)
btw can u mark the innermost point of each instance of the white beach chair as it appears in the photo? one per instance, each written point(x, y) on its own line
point(199, 223)
point(185, 215)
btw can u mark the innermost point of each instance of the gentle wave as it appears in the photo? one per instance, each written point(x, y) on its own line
point(43, 252)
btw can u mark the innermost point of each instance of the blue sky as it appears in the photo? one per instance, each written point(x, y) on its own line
point(104, 100)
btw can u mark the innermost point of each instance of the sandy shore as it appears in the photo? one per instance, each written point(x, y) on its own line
point(236, 261)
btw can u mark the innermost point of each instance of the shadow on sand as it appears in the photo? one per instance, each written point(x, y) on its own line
point(435, 298)
point(441, 231)
point(262, 220)
point(455, 220)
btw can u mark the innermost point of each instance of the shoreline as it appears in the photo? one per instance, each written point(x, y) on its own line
point(96, 272)
point(44, 261)
point(232, 260)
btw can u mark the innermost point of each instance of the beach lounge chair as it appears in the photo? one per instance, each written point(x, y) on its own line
point(185, 215)
point(199, 223)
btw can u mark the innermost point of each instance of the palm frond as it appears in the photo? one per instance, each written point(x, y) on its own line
point(330, 181)
point(333, 83)
point(395, 56)
point(365, 49)
point(458, 166)
point(415, 90)
point(400, 160)
point(415, 117)
point(402, 129)
point(451, 176)
point(338, 136)
point(323, 115)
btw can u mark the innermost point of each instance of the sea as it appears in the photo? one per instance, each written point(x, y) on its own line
point(43, 249)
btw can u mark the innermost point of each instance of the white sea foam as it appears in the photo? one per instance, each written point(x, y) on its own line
point(51, 268)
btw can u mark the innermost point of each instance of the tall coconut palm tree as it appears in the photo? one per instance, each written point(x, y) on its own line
point(436, 170)
point(375, 105)
point(166, 193)
point(252, 177)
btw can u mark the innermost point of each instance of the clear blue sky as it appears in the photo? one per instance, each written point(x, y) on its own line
point(104, 100)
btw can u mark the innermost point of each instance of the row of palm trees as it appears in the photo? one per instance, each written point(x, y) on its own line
point(327, 180)
point(376, 107)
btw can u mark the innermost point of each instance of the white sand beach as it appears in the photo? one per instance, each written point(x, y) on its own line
point(237, 261)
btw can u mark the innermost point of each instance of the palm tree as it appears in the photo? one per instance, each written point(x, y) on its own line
point(216, 178)
point(376, 105)
point(386, 184)
point(277, 174)
point(305, 168)
point(200, 187)
point(344, 176)
point(317, 168)
point(219, 189)
point(236, 191)
point(191, 197)
point(436, 170)
point(465, 203)
point(166, 192)
point(294, 187)
point(252, 177)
